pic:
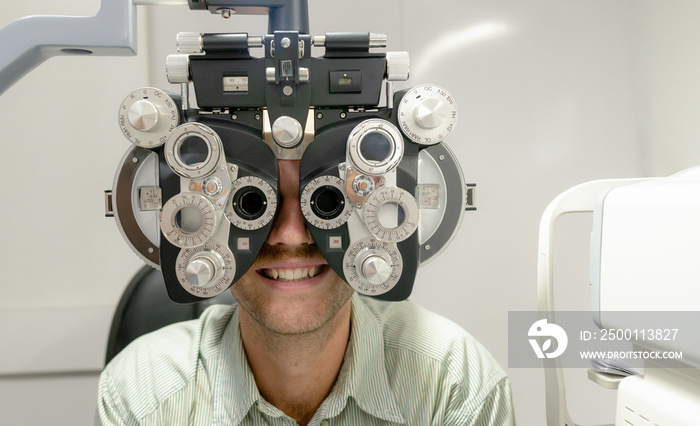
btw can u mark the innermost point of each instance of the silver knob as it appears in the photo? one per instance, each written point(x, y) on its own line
point(427, 114)
point(287, 132)
point(375, 269)
point(362, 185)
point(204, 268)
point(143, 115)
point(177, 68)
point(377, 40)
point(188, 42)
point(147, 116)
point(430, 113)
point(397, 66)
point(199, 272)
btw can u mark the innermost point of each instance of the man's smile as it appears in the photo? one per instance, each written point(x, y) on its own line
point(296, 274)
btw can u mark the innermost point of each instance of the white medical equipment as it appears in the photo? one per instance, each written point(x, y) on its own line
point(645, 251)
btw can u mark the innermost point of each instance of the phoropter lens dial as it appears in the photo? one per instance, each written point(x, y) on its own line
point(327, 202)
point(375, 146)
point(427, 114)
point(193, 150)
point(188, 220)
point(391, 214)
point(324, 204)
point(207, 270)
point(147, 116)
point(252, 203)
point(372, 267)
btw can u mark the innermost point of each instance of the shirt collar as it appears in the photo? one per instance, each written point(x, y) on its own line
point(363, 376)
point(234, 388)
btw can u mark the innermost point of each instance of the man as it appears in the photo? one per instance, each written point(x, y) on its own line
point(301, 348)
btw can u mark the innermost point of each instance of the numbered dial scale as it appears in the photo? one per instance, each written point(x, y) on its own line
point(207, 270)
point(391, 214)
point(372, 267)
point(188, 220)
point(252, 203)
point(427, 114)
point(324, 204)
point(147, 116)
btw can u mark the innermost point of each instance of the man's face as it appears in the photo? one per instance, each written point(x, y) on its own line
point(290, 288)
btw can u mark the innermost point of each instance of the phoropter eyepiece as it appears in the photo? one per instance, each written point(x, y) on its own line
point(249, 203)
point(327, 202)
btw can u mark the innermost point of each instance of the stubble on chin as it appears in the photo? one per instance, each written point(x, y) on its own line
point(294, 314)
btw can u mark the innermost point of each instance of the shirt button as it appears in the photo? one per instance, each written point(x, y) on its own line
point(324, 423)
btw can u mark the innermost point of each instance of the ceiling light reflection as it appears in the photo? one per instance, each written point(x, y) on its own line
point(453, 41)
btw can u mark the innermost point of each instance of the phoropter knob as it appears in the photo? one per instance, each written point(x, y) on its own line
point(427, 114)
point(143, 115)
point(397, 66)
point(287, 132)
point(189, 42)
point(177, 68)
point(375, 269)
point(204, 268)
point(430, 113)
point(147, 116)
point(372, 266)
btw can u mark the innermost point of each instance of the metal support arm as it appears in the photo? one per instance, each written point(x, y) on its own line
point(283, 15)
point(29, 41)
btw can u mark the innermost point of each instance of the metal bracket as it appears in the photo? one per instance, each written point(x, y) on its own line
point(29, 41)
point(283, 15)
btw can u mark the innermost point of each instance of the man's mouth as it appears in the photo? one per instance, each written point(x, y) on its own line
point(298, 274)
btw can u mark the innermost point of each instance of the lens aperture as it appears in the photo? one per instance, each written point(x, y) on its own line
point(249, 202)
point(327, 202)
point(193, 150)
point(376, 148)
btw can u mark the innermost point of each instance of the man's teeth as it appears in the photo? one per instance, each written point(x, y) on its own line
point(292, 274)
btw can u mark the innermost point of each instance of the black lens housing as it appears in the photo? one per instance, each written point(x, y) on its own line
point(249, 202)
point(327, 202)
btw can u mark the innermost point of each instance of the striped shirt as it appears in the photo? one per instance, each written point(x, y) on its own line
point(403, 365)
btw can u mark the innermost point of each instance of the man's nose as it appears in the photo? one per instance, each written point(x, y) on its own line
point(289, 227)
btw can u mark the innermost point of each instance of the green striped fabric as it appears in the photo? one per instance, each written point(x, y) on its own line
point(404, 365)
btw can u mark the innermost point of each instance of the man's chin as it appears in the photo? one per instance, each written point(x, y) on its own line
point(292, 307)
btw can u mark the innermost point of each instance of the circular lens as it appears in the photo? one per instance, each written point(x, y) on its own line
point(188, 219)
point(391, 215)
point(193, 150)
point(327, 202)
point(376, 147)
point(249, 203)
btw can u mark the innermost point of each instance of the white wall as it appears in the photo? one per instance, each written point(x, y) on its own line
point(550, 94)
point(64, 264)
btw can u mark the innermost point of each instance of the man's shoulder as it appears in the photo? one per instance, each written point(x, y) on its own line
point(181, 339)
point(159, 364)
point(415, 337)
point(408, 325)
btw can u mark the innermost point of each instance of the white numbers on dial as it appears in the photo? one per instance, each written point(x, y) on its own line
point(188, 220)
point(391, 214)
point(427, 114)
point(223, 269)
point(147, 116)
point(372, 267)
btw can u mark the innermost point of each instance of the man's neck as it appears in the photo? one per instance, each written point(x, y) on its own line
point(295, 373)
